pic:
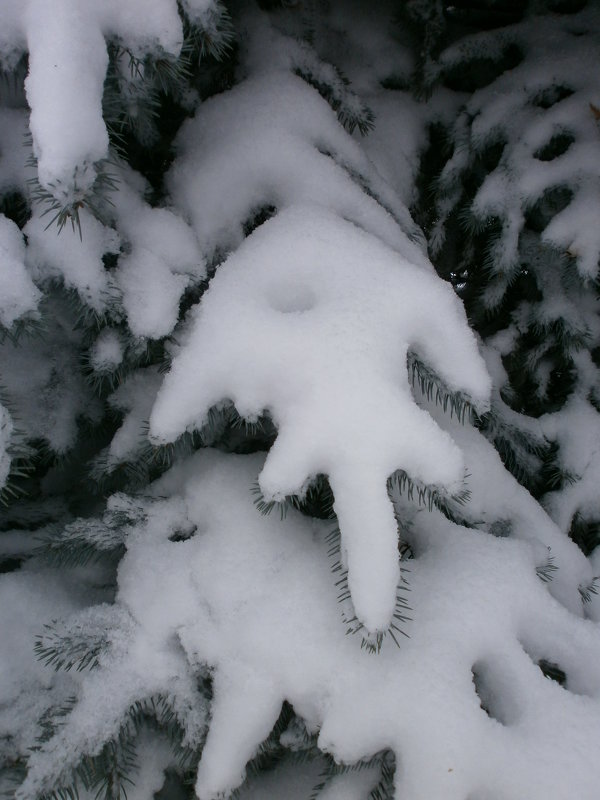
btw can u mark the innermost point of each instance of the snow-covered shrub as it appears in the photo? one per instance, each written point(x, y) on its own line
point(264, 528)
point(514, 224)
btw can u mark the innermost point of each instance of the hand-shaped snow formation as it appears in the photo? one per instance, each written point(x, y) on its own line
point(311, 319)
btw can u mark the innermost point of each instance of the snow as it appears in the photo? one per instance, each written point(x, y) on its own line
point(159, 257)
point(153, 757)
point(395, 144)
point(163, 258)
point(294, 781)
point(150, 294)
point(76, 260)
point(496, 497)
point(134, 668)
point(18, 294)
point(252, 598)
point(41, 377)
point(67, 55)
point(135, 396)
point(553, 53)
point(350, 786)
point(300, 326)
point(572, 230)
point(577, 433)
point(199, 10)
point(107, 351)
point(67, 66)
point(27, 689)
point(309, 319)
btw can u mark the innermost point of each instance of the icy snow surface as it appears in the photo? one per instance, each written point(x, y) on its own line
point(311, 318)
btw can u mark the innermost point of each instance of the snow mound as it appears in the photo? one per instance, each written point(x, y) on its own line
point(464, 704)
point(274, 142)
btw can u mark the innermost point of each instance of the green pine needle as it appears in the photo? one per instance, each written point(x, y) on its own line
point(432, 387)
point(546, 570)
point(586, 591)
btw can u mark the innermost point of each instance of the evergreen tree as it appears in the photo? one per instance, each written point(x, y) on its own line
point(512, 226)
point(281, 517)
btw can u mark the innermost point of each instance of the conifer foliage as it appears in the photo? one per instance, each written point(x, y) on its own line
point(298, 495)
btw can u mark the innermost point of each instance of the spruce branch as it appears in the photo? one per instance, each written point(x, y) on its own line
point(372, 642)
point(64, 650)
point(432, 387)
point(110, 771)
point(587, 590)
point(546, 570)
point(406, 222)
point(384, 762)
point(90, 539)
point(429, 496)
point(208, 35)
point(585, 533)
point(52, 719)
point(351, 112)
point(29, 326)
point(524, 453)
point(84, 541)
point(316, 500)
point(22, 456)
point(64, 203)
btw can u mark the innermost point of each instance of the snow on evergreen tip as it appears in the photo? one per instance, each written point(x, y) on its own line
point(234, 164)
point(67, 53)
